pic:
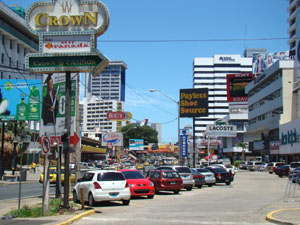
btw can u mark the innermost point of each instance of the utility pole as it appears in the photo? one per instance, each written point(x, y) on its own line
point(2, 153)
point(15, 149)
point(67, 139)
point(77, 148)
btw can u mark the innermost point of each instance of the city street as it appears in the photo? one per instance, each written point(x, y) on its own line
point(246, 201)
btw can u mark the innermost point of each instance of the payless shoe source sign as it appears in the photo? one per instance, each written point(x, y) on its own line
point(194, 102)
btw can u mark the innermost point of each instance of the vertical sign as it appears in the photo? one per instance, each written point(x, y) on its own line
point(184, 145)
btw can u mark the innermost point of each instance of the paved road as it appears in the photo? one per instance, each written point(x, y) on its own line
point(11, 191)
point(246, 201)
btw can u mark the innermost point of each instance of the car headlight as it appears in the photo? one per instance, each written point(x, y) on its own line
point(151, 184)
point(131, 185)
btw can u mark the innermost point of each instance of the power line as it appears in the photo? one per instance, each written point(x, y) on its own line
point(196, 40)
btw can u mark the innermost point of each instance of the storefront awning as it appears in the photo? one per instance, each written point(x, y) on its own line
point(91, 149)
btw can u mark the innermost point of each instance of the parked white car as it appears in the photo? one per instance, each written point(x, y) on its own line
point(102, 185)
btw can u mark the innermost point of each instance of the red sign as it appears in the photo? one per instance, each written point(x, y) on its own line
point(118, 116)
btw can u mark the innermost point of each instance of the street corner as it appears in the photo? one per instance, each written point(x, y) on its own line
point(88, 212)
point(289, 216)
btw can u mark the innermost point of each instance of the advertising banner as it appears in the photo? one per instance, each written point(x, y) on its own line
point(236, 84)
point(53, 105)
point(194, 102)
point(20, 99)
point(136, 144)
point(112, 139)
point(221, 130)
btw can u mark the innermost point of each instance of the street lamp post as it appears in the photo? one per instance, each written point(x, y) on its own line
point(178, 119)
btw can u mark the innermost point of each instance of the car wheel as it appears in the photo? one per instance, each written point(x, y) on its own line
point(91, 200)
point(189, 189)
point(200, 186)
point(126, 202)
point(210, 185)
point(75, 199)
point(270, 172)
point(227, 183)
point(150, 196)
point(156, 191)
point(176, 192)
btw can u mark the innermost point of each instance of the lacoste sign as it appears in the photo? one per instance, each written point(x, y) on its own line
point(221, 130)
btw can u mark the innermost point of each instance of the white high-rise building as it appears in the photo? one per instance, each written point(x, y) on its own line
point(211, 73)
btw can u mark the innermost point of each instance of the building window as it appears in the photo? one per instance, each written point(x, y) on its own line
point(18, 48)
point(10, 44)
point(2, 58)
point(3, 40)
point(9, 61)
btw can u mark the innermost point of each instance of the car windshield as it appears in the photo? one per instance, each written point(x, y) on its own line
point(218, 170)
point(294, 165)
point(201, 170)
point(170, 174)
point(182, 169)
point(110, 176)
point(133, 175)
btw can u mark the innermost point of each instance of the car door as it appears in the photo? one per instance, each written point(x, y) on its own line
point(86, 183)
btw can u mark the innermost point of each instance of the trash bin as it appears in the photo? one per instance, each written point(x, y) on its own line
point(23, 175)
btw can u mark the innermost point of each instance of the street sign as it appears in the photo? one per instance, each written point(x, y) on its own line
point(74, 139)
point(93, 62)
point(46, 145)
point(118, 116)
point(221, 130)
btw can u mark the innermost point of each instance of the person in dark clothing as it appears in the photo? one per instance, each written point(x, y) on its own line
point(50, 105)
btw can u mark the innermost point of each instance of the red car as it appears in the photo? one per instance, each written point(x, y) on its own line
point(165, 180)
point(138, 184)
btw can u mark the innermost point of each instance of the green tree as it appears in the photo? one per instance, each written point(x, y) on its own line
point(243, 145)
point(133, 131)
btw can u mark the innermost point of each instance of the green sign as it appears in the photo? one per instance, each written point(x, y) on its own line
point(50, 63)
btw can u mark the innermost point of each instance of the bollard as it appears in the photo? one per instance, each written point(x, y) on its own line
point(81, 198)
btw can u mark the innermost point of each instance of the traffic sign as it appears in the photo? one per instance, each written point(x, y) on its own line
point(46, 145)
point(74, 139)
point(93, 62)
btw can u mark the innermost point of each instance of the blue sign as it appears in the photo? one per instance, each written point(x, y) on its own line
point(184, 145)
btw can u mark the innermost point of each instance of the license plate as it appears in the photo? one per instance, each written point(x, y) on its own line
point(196, 179)
point(114, 194)
point(173, 182)
point(185, 176)
point(226, 180)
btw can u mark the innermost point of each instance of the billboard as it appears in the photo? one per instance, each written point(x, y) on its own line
point(20, 99)
point(112, 139)
point(193, 102)
point(236, 84)
point(53, 104)
point(221, 130)
point(262, 62)
point(136, 144)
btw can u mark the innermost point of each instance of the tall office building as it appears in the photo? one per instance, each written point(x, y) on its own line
point(110, 84)
point(292, 9)
point(211, 73)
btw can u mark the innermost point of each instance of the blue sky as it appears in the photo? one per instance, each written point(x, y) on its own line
point(154, 39)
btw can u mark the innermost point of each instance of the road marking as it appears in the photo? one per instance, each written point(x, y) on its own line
point(164, 220)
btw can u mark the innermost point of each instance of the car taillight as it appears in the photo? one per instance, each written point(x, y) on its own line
point(219, 176)
point(96, 185)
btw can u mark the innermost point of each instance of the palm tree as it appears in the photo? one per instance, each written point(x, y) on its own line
point(243, 145)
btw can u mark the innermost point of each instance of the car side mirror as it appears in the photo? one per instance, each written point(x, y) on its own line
point(79, 180)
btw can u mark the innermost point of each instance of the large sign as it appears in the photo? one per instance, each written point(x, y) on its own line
point(194, 102)
point(20, 99)
point(136, 144)
point(51, 63)
point(74, 17)
point(221, 130)
point(112, 139)
point(236, 84)
point(290, 137)
point(184, 145)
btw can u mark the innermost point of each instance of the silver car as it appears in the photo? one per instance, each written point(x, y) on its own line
point(185, 174)
point(209, 176)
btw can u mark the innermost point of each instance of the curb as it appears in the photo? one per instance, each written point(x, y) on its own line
point(77, 217)
point(271, 218)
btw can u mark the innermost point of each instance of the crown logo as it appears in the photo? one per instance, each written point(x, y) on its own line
point(66, 5)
